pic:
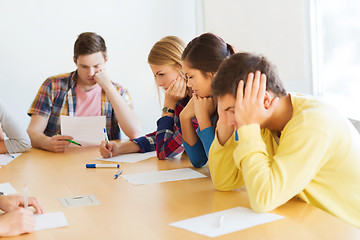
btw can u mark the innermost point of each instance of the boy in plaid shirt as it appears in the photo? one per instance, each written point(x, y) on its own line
point(88, 91)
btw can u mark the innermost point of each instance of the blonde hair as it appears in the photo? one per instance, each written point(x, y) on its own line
point(167, 52)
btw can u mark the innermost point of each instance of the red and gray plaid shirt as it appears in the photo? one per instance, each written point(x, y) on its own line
point(57, 97)
point(167, 140)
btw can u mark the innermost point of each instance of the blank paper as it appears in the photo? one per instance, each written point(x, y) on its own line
point(227, 221)
point(50, 220)
point(130, 157)
point(162, 176)
point(7, 189)
point(7, 158)
point(88, 131)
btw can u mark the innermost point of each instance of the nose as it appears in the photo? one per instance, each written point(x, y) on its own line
point(230, 121)
point(188, 83)
point(92, 72)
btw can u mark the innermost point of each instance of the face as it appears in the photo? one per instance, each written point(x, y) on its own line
point(164, 75)
point(226, 109)
point(200, 84)
point(87, 66)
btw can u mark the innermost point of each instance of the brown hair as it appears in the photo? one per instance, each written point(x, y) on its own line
point(206, 52)
point(89, 43)
point(237, 67)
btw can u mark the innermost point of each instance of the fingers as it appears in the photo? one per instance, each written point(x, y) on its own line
point(62, 137)
point(262, 87)
point(104, 151)
point(35, 204)
point(255, 86)
point(240, 91)
point(248, 87)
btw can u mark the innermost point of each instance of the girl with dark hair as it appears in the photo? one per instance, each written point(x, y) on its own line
point(201, 60)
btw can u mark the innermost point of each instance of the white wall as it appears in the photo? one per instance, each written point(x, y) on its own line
point(277, 29)
point(37, 39)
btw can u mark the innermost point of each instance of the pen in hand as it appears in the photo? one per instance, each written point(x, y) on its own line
point(107, 141)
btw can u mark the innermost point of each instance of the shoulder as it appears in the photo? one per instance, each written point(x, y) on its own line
point(63, 78)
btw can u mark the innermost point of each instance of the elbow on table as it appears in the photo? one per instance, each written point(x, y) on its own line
point(261, 206)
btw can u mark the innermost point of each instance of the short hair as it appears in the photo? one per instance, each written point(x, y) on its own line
point(237, 67)
point(206, 52)
point(89, 43)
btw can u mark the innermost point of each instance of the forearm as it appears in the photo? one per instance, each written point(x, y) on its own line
point(3, 148)
point(204, 121)
point(225, 175)
point(127, 147)
point(129, 122)
point(188, 132)
point(39, 140)
point(170, 104)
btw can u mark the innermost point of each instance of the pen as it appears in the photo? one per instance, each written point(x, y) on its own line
point(71, 141)
point(107, 140)
point(25, 196)
point(90, 165)
point(117, 174)
point(221, 220)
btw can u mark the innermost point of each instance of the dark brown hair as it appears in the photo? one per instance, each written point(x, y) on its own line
point(237, 67)
point(89, 43)
point(206, 52)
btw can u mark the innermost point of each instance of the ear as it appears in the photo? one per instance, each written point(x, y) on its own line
point(211, 74)
point(74, 60)
point(267, 100)
point(106, 59)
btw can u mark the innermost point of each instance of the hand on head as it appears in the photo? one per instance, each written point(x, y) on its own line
point(177, 89)
point(254, 104)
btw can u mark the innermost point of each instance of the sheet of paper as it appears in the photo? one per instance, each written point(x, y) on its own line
point(224, 222)
point(88, 131)
point(7, 158)
point(130, 158)
point(50, 220)
point(162, 176)
point(7, 188)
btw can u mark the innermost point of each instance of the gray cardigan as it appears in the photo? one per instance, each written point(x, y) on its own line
point(18, 140)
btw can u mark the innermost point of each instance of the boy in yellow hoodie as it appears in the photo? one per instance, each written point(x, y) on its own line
point(285, 145)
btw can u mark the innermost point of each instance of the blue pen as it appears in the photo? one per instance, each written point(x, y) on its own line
point(117, 174)
point(99, 165)
point(107, 140)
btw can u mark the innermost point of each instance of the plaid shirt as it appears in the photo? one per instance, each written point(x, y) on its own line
point(167, 140)
point(57, 97)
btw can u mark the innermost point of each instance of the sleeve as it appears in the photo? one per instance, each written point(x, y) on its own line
point(146, 143)
point(126, 96)
point(198, 153)
point(18, 140)
point(225, 175)
point(168, 138)
point(273, 180)
point(43, 101)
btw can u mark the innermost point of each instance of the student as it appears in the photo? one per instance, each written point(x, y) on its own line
point(17, 220)
point(17, 139)
point(201, 59)
point(165, 63)
point(288, 144)
point(88, 91)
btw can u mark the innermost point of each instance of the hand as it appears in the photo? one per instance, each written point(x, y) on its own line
point(176, 91)
point(17, 222)
point(188, 112)
point(249, 104)
point(102, 78)
point(224, 129)
point(204, 107)
point(58, 143)
point(14, 202)
point(109, 149)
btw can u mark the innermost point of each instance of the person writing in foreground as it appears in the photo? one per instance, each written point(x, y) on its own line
point(88, 91)
point(16, 219)
point(288, 144)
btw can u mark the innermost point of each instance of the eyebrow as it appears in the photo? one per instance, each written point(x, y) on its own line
point(157, 72)
point(228, 108)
